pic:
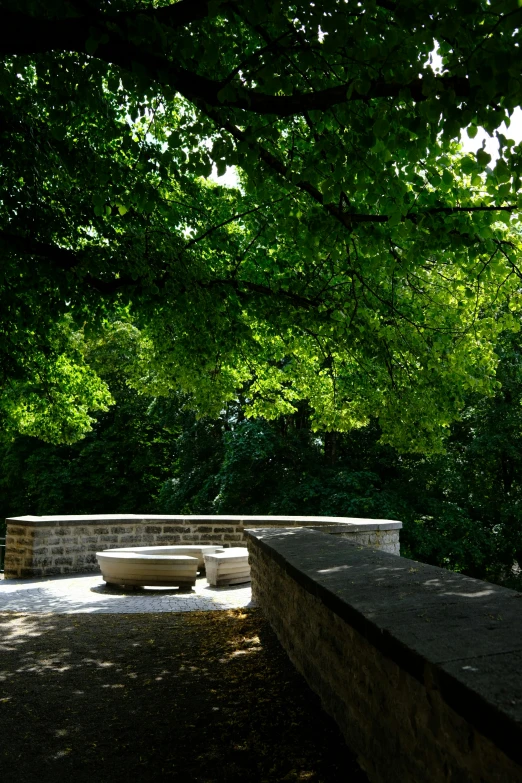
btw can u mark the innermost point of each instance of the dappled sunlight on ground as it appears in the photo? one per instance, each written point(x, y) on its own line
point(90, 594)
point(197, 696)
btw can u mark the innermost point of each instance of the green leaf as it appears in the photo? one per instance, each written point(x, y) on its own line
point(483, 158)
point(381, 127)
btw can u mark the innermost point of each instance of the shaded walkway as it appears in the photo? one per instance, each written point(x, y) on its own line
point(193, 696)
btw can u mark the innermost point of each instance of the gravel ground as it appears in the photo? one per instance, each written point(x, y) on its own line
point(206, 696)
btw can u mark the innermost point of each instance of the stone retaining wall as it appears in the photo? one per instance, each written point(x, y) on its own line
point(419, 666)
point(43, 546)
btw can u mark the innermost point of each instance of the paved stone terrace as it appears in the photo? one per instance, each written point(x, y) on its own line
point(89, 593)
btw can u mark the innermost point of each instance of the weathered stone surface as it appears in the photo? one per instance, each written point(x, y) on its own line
point(417, 665)
point(137, 568)
point(228, 568)
point(73, 537)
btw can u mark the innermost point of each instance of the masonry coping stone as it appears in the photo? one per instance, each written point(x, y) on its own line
point(354, 524)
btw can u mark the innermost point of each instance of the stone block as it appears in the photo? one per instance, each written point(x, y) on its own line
point(13, 530)
point(227, 568)
point(86, 560)
point(232, 537)
point(163, 539)
point(63, 561)
point(30, 573)
point(129, 539)
point(12, 560)
point(104, 540)
point(43, 562)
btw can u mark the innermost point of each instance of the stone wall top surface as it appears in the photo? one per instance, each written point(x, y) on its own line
point(336, 524)
point(463, 634)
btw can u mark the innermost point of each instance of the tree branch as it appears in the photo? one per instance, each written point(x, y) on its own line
point(60, 256)
point(21, 35)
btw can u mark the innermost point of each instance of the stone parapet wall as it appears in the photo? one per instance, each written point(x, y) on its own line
point(420, 667)
point(45, 546)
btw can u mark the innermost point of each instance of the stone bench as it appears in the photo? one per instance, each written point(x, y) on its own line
point(229, 567)
point(153, 570)
point(197, 551)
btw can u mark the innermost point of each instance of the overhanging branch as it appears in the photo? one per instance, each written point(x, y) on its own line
point(21, 34)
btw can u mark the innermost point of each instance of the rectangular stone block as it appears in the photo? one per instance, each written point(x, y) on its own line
point(62, 561)
point(12, 560)
point(28, 573)
point(127, 540)
point(13, 530)
point(37, 550)
point(163, 539)
point(42, 535)
point(86, 560)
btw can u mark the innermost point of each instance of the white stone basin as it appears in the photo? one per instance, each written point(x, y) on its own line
point(193, 550)
point(153, 570)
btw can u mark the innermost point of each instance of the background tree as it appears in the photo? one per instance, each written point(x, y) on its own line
point(118, 467)
point(460, 509)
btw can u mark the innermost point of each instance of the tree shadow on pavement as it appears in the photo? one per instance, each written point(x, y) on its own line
point(208, 697)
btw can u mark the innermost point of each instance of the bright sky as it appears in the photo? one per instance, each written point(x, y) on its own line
point(229, 178)
point(491, 144)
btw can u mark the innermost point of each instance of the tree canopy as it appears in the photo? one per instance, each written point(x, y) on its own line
point(364, 265)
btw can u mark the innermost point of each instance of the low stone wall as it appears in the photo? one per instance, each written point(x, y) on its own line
point(44, 546)
point(420, 667)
